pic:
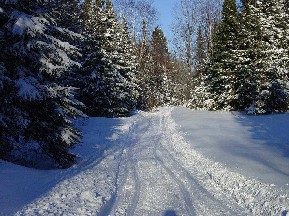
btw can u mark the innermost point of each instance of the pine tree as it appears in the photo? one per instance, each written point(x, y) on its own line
point(273, 93)
point(35, 59)
point(109, 88)
point(248, 56)
point(160, 82)
point(222, 64)
point(121, 87)
point(145, 65)
point(91, 17)
point(65, 13)
point(200, 56)
point(263, 57)
point(7, 92)
point(129, 67)
point(200, 92)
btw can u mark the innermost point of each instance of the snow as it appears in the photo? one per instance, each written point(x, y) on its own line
point(256, 146)
point(61, 55)
point(174, 161)
point(26, 23)
point(68, 136)
point(28, 89)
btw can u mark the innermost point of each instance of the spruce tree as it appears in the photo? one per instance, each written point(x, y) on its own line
point(65, 13)
point(273, 93)
point(91, 16)
point(222, 65)
point(108, 87)
point(145, 65)
point(7, 91)
point(129, 67)
point(38, 116)
point(200, 56)
point(249, 57)
point(159, 75)
point(121, 88)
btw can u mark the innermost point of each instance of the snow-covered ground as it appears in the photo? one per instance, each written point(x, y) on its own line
point(172, 162)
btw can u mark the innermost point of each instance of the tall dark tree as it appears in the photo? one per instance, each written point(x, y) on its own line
point(223, 62)
point(8, 133)
point(65, 13)
point(160, 78)
point(273, 85)
point(201, 52)
point(108, 88)
point(145, 65)
point(129, 67)
point(248, 53)
point(263, 57)
point(34, 61)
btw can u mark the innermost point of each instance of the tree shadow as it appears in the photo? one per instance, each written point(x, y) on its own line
point(21, 185)
point(271, 139)
point(170, 213)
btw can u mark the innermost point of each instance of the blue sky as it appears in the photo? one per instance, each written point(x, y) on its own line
point(165, 8)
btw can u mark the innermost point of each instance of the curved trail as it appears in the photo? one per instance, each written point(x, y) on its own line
point(154, 171)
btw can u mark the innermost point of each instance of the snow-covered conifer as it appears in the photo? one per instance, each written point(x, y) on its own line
point(221, 78)
point(200, 53)
point(273, 83)
point(35, 60)
point(159, 74)
point(65, 13)
point(109, 88)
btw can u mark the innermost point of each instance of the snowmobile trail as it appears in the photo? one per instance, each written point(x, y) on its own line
point(153, 170)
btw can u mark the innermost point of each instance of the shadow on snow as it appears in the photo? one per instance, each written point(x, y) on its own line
point(22, 185)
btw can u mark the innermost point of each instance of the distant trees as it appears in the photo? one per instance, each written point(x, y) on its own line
point(136, 13)
point(59, 57)
point(192, 17)
point(161, 76)
point(248, 68)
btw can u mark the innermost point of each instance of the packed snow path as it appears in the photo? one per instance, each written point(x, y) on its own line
point(150, 169)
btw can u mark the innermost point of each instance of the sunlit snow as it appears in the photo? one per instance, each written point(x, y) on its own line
point(174, 161)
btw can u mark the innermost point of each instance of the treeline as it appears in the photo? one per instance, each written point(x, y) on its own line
point(63, 59)
point(247, 68)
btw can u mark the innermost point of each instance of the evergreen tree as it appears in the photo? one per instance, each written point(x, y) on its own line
point(119, 79)
point(145, 65)
point(109, 88)
point(273, 93)
point(129, 67)
point(249, 55)
point(200, 56)
point(91, 19)
point(222, 80)
point(7, 92)
point(65, 13)
point(160, 82)
point(34, 60)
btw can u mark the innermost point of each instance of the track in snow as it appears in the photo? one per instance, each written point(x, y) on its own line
point(154, 171)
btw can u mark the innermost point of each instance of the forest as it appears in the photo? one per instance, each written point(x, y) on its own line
point(66, 59)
